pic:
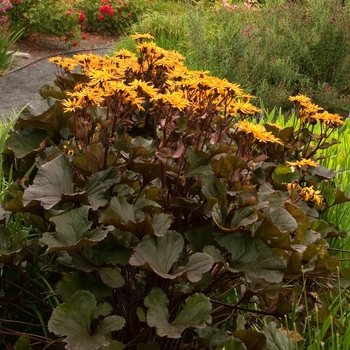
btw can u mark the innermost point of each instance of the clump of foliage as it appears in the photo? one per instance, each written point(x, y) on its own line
point(59, 18)
point(113, 16)
point(152, 195)
point(7, 39)
point(69, 18)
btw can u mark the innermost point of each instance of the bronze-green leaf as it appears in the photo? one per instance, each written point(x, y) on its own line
point(159, 252)
point(253, 257)
point(283, 220)
point(54, 179)
point(73, 320)
point(198, 163)
point(284, 174)
point(98, 186)
point(194, 313)
point(25, 141)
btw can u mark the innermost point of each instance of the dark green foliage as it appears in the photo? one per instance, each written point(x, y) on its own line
point(144, 212)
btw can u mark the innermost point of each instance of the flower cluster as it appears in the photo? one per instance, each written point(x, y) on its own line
point(125, 83)
point(303, 163)
point(258, 132)
point(106, 8)
point(59, 18)
point(82, 16)
point(311, 113)
point(4, 6)
point(155, 83)
point(305, 193)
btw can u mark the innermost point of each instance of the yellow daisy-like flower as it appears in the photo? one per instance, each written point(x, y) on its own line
point(293, 186)
point(148, 48)
point(258, 132)
point(177, 73)
point(150, 90)
point(243, 107)
point(56, 59)
point(299, 99)
point(312, 108)
point(69, 63)
point(124, 54)
point(333, 120)
point(310, 194)
point(135, 100)
point(303, 162)
point(71, 105)
point(176, 99)
point(146, 36)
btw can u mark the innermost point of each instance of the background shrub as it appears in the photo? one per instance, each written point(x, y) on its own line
point(69, 18)
point(273, 49)
point(59, 18)
point(110, 16)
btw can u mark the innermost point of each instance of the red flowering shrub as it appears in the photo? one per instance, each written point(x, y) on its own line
point(107, 9)
point(82, 16)
point(59, 18)
point(62, 17)
point(108, 15)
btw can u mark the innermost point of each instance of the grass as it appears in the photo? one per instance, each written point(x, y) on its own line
point(327, 327)
point(6, 42)
point(339, 160)
point(335, 157)
point(6, 124)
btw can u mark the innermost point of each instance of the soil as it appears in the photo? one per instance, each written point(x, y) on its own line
point(20, 86)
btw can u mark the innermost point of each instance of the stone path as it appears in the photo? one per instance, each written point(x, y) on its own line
point(21, 85)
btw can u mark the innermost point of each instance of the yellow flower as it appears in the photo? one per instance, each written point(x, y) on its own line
point(146, 36)
point(243, 107)
point(293, 186)
point(258, 132)
point(311, 108)
point(71, 105)
point(124, 54)
point(68, 63)
point(310, 194)
point(135, 100)
point(333, 120)
point(303, 162)
point(275, 125)
point(95, 95)
point(176, 99)
point(300, 99)
point(150, 90)
point(56, 59)
point(149, 47)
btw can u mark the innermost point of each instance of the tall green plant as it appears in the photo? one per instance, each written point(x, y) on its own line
point(153, 192)
point(6, 124)
point(6, 42)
